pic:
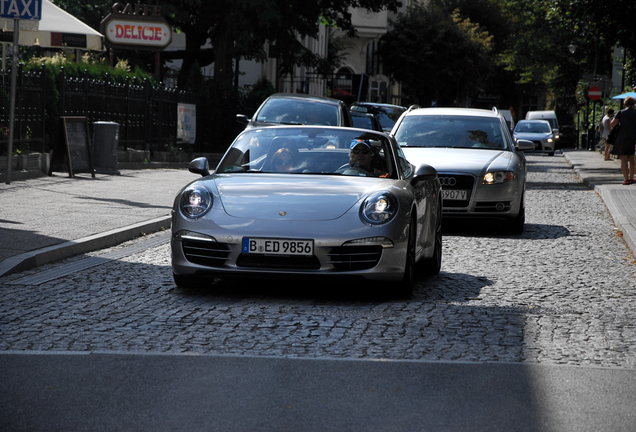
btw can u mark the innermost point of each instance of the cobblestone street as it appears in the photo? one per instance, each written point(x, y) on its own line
point(564, 292)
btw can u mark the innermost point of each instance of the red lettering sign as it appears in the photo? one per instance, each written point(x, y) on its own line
point(142, 33)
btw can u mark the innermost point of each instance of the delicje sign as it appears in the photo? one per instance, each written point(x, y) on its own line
point(137, 27)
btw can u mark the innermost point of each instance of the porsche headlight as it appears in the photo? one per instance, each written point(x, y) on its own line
point(498, 177)
point(379, 208)
point(195, 202)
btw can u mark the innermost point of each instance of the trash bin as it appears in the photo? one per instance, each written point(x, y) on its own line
point(105, 147)
point(583, 140)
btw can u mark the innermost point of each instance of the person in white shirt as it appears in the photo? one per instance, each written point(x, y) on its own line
point(605, 130)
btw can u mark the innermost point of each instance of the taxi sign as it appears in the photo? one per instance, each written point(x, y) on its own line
point(21, 9)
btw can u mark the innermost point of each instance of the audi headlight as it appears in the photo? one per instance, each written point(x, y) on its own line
point(498, 177)
point(379, 208)
point(195, 202)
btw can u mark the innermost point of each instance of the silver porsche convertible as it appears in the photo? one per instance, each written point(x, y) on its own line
point(309, 201)
point(482, 170)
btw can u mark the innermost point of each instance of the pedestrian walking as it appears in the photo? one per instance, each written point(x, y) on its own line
point(625, 145)
point(605, 130)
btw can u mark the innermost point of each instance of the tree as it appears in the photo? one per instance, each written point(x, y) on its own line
point(90, 12)
point(254, 29)
point(599, 24)
point(436, 55)
point(241, 29)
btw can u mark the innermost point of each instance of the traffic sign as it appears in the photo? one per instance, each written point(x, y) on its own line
point(594, 93)
point(21, 9)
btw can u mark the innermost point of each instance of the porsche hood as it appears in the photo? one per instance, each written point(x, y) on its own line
point(291, 197)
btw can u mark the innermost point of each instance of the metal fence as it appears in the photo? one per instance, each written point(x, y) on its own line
point(147, 114)
point(30, 111)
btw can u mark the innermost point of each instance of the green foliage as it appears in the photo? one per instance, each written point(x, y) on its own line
point(90, 66)
point(95, 68)
point(436, 55)
point(592, 21)
point(254, 29)
point(90, 12)
point(257, 94)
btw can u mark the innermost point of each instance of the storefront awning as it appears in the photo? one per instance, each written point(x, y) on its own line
point(58, 29)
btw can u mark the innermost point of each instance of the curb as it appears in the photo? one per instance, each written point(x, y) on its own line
point(36, 258)
point(621, 221)
point(601, 185)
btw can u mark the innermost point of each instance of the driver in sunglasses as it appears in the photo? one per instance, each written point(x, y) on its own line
point(361, 157)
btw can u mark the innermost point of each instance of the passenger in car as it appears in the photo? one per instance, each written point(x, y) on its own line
point(283, 161)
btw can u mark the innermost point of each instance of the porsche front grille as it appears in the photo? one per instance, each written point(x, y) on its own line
point(350, 258)
point(278, 262)
point(211, 254)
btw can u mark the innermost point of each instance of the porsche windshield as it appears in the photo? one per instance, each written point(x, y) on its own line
point(452, 131)
point(291, 150)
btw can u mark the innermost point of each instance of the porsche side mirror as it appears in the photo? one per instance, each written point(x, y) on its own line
point(200, 166)
point(242, 119)
point(425, 172)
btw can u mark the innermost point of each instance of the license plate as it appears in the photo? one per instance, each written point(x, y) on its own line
point(278, 246)
point(451, 194)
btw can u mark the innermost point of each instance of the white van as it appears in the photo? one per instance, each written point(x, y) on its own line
point(550, 116)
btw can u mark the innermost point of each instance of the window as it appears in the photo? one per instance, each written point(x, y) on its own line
point(373, 59)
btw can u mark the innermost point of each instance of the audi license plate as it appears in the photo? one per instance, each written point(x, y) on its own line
point(278, 246)
point(456, 195)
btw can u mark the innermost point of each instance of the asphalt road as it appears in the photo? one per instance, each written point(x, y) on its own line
point(113, 392)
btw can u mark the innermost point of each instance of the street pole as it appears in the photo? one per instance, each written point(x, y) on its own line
point(593, 128)
point(14, 74)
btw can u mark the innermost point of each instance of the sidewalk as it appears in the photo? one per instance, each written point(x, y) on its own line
point(48, 219)
point(605, 178)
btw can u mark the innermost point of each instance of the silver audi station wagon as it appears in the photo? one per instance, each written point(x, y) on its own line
point(481, 169)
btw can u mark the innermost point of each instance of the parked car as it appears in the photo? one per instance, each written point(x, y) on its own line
point(387, 114)
point(550, 117)
point(366, 120)
point(298, 109)
point(308, 201)
point(483, 173)
point(539, 132)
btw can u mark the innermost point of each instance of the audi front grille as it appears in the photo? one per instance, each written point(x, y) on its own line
point(457, 182)
point(493, 207)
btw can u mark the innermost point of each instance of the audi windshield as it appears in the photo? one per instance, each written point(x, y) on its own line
point(452, 132)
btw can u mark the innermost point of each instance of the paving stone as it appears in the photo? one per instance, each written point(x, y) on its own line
point(563, 292)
